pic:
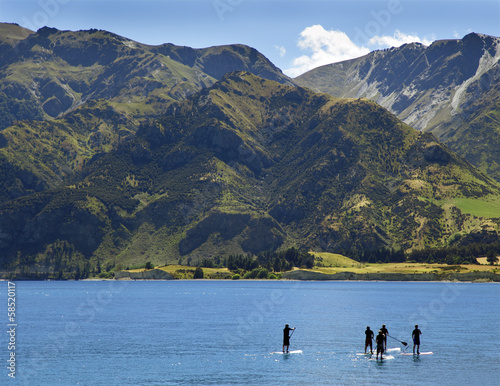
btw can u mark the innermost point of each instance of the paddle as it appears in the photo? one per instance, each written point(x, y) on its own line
point(400, 341)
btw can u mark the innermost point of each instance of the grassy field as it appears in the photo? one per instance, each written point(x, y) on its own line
point(482, 260)
point(409, 268)
point(335, 260)
point(334, 263)
point(486, 208)
point(187, 272)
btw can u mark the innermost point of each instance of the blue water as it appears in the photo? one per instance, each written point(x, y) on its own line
point(223, 332)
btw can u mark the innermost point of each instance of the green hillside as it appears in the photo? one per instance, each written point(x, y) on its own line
point(41, 154)
point(68, 96)
point(245, 166)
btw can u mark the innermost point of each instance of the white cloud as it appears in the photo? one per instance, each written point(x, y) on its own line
point(326, 46)
point(281, 51)
point(398, 39)
point(335, 46)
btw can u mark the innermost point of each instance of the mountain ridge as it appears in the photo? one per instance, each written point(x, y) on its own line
point(94, 64)
point(74, 82)
point(432, 88)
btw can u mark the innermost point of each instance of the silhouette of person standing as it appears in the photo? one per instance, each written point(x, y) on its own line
point(385, 331)
point(368, 339)
point(286, 337)
point(415, 335)
point(380, 344)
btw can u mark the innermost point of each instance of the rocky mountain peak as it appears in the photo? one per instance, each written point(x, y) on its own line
point(426, 87)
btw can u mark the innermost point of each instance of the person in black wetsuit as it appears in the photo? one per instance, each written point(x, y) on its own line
point(286, 337)
point(415, 335)
point(385, 331)
point(380, 344)
point(368, 339)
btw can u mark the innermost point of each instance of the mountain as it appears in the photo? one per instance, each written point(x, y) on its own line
point(60, 70)
point(250, 165)
point(68, 96)
point(11, 34)
point(449, 88)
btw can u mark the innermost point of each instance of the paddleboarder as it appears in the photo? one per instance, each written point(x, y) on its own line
point(415, 335)
point(368, 340)
point(385, 331)
point(286, 337)
point(380, 344)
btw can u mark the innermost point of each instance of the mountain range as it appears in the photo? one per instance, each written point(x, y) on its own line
point(131, 153)
point(91, 90)
point(450, 88)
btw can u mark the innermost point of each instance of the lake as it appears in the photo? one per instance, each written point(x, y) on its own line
point(223, 332)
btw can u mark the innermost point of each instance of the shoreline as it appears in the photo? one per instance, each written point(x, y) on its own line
point(477, 281)
point(307, 275)
point(473, 277)
point(298, 274)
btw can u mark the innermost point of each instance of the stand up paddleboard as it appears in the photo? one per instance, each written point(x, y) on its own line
point(374, 358)
point(422, 353)
point(389, 350)
point(288, 353)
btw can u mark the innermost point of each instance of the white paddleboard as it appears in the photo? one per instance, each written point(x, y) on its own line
point(288, 353)
point(374, 357)
point(422, 353)
point(393, 349)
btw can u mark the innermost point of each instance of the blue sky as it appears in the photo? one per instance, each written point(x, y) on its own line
point(296, 35)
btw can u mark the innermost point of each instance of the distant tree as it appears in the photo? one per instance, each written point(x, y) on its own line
point(198, 273)
point(77, 273)
point(207, 263)
point(491, 257)
point(110, 266)
point(86, 271)
point(149, 265)
point(263, 274)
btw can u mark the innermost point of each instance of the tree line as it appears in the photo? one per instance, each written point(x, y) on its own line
point(272, 261)
point(457, 255)
point(452, 255)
